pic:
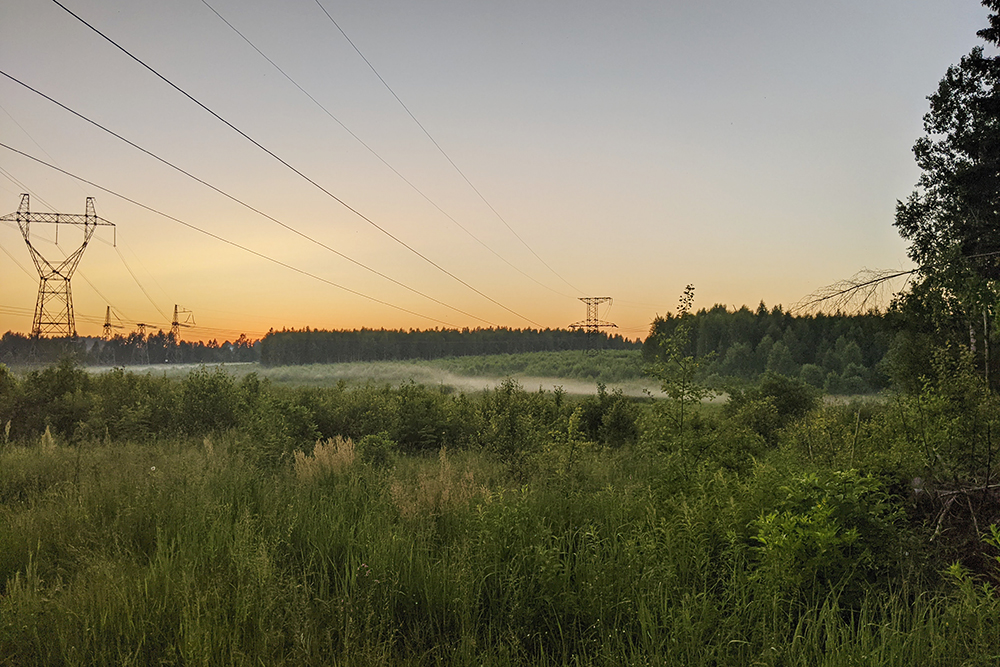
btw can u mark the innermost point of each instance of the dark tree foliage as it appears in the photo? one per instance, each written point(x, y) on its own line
point(290, 347)
point(952, 219)
point(953, 216)
point(839, 353)
point(130, 350)
point(271, 422)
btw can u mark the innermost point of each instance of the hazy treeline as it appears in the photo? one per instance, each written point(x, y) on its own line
point(841, 354)
point(291, 347)
point(131, 350)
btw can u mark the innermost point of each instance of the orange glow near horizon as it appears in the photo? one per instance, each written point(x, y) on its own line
point(728, 159)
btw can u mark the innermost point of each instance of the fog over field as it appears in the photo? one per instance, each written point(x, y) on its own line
point(392, 373)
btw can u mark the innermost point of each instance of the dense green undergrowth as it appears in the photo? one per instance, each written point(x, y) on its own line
point(214, 521)
point(606, 366)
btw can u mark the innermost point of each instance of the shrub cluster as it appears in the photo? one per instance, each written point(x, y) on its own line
point(76, 406)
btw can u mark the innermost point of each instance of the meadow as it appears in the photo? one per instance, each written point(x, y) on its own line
point(577, 371)
point(213, 519)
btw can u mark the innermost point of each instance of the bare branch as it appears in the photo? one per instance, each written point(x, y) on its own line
point(866, 290)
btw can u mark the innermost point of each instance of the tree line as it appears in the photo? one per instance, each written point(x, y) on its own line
point(316, 346)
point(132, 350)
point(839, 353)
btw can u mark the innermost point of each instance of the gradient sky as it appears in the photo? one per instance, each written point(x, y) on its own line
point(753, 148)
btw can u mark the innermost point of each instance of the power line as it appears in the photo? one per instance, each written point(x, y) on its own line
point(47, 154)
point(295, 170)
point(132, 273)
point(225, 240)
point(377, 155)
point(18, 264)
point(92, 286)
point(240, 201)
point(120, 242)
point(25, 188)
point(443, 152)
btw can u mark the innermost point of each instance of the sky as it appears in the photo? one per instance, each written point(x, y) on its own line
point(493, 161)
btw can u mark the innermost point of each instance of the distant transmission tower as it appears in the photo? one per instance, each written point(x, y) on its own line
point(175, 331)
point(593, 324)
point(140, 349)
point(176, 324)
point(54, 307)
point(109, 325)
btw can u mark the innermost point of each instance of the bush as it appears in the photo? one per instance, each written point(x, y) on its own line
point(830, 531)
point(138, 406)
point(377, 449)
point(770, 406)
point(57, 397)
point(609, 418)
point(209, 401)
point(813, 375)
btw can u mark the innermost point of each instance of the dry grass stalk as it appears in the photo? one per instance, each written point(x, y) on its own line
point(332, 457)
point(48, 443)
point(435, 490)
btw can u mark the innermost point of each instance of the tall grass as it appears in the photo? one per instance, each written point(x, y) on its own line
point(185, 552)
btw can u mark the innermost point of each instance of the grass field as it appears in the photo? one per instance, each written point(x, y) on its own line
point(211, 520)
point(575, 371)
point(180, 553)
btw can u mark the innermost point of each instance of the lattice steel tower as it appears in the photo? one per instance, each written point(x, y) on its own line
point(593, 324)
point(54, 307)
point(176, 323)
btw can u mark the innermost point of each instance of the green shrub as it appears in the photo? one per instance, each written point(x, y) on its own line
point(209, 401)
point(377, 449)
point(57, 397)
point(609, 418)
point(813, 375)
point(830, 531)
point(774, 403)
point(134, 405)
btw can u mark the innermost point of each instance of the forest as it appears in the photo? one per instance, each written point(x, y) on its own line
point(840, 353)
point(285, 348)
point(134, 349)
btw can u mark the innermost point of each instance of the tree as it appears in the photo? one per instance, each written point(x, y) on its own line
point(676, 370)
point(952, 220)
point(955, 212)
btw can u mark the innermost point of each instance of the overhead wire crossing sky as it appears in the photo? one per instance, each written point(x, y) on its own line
point(239, 201)
point(294, 169)
point(223, 239)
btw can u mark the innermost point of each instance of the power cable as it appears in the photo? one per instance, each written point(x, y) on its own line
point(225, 240)
point(443, 152)
point(295, 170)
point(47, 154)
point(240, 201)
point(25, 188)
point(18, 264)
point(120, 242)
point(379, 157)
point(92, 286)
point(132, 273)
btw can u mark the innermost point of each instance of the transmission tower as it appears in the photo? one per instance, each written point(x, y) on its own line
point(54, 307)
point(140, 349)
point(109, 325)
point(176, 324)
point(593, 324)
point(175, 331)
